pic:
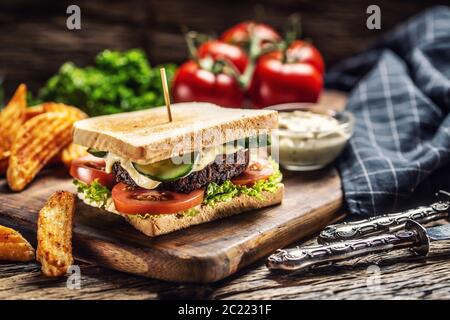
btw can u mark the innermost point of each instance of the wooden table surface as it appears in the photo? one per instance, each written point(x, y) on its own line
point(378, 276)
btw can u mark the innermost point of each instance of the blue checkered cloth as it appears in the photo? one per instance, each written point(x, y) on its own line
point(399, 92)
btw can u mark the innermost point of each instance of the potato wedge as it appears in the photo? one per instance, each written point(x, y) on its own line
point(11, 118)
point(32, 112)
point(57, 159)
point(71, 152)
point(14, 247)
point(73, 112)
point(36, 143)
point(4, 161)
point(54, 234)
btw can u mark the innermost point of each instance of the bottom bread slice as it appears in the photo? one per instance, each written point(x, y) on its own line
point(166, 223)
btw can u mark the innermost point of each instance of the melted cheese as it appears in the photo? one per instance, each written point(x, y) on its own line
point(206, 157)
point(141, 180)
point(209, 155)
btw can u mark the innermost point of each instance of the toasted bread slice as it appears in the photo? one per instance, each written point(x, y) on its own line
point(148, 135)
point(166, 223)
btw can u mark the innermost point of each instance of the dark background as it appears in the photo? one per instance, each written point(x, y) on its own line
point(35, 41)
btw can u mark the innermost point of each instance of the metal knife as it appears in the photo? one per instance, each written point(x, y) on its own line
point(414, 236)
point(384, 223)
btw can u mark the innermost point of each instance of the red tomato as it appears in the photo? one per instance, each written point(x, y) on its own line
point(191, 83)
point(256, 170)
point(220, 50)
point(297, 77)
point(142, 201)
point(302, 51)
point(89, 168)
point(241, 33)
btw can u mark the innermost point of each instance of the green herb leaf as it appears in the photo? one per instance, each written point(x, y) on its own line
point(118, 82)
point(94, 192)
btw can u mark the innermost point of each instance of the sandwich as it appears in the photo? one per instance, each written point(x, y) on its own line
point(207, 163)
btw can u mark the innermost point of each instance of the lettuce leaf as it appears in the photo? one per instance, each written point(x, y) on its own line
point(214, 193)
point(95, 192)
point(227, 190)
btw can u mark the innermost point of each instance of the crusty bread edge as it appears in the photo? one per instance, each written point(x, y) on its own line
point(162, 224)
point(207, 136)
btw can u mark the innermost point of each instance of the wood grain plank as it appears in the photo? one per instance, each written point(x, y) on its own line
point(413, 278)
point(396, 275)
point(203, 253)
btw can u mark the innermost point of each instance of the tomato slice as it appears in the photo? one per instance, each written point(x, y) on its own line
point(89, 168)
point(142, 201)
point(257, 170)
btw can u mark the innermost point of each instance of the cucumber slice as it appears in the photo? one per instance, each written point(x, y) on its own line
point(97, 153)
point(167, 170)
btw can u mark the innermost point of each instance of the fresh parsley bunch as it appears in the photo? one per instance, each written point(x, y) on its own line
point(118, 82)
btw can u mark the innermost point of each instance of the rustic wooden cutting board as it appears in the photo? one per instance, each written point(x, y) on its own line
point(203, 253)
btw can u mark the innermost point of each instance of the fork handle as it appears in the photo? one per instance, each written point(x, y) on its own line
point(305, 258)
point(383, 224)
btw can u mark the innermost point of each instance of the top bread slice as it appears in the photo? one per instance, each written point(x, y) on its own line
point(148, 136)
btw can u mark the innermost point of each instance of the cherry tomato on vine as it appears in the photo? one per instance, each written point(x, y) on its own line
point(305, 52)
point(220, 50)
point(295, 75)
point(241, 34)
point(193, 83)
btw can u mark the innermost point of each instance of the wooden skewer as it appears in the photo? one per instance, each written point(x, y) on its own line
point(166, 92)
